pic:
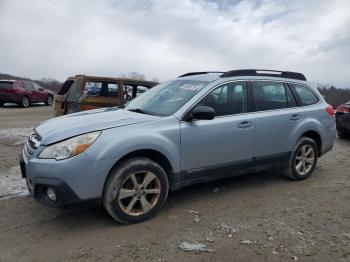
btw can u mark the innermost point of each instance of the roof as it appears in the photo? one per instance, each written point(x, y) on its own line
point(245, 74)
point(8, 80)
point(106, 78)
point(203, 77)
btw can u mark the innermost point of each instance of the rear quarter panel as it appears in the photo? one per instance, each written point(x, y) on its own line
point(315, 118)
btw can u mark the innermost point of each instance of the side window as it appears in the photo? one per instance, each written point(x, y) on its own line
point(93, 88)
point(65, 87)
point(28, 85)
point(269, 95)
point(140, 90)
point(36, 86)
point(112, 89)
point(128, 91)
point(305, 95)
point(227, 99)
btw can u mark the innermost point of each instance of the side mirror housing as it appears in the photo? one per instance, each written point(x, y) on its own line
point(201, 113)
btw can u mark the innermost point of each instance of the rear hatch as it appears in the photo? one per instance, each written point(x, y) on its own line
point(61, 100)
point(5, 88)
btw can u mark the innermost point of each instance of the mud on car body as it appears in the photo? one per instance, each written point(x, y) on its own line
point(82, 92)
point(199, 127)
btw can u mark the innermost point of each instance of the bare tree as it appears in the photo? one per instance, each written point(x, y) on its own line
point(136, 75)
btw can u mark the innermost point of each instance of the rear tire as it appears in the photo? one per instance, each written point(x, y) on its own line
point(135, 190)
point(49, 101)
point(303, 160)
point(25, 102)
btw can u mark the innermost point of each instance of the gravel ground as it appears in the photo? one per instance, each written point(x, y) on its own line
point(256, 217)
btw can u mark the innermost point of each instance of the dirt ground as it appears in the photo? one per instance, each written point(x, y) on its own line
point(256, 217)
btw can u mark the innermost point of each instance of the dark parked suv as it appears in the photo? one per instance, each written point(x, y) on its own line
point(342, 117)
point(23, 93)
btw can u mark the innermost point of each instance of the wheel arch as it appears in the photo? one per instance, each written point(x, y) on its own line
point(25, 95)
point(153, 155)
point(314, 135)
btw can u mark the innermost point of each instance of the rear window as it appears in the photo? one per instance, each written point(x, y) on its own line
point(5, 84)
point(93, 88)
point(306, 96)
point(65, 87)
point(269, 95)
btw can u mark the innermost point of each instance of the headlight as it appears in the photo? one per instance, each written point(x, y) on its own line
point(70, 147)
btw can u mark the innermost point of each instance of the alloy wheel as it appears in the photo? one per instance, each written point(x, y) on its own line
point(139, 193)
point(25, 101)
point(305, 159)
point(49, 100)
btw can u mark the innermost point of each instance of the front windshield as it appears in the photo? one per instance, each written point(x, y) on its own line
point(166, 98)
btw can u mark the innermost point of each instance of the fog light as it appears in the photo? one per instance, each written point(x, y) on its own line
point(51, 194)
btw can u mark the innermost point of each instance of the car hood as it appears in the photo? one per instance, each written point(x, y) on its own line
point(63, 127)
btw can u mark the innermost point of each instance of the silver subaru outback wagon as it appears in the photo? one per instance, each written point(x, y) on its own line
point(199, 127)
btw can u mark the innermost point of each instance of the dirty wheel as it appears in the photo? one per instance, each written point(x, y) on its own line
point(25, 101)
point(303, 160)
point(135, 190)
point(49, 101)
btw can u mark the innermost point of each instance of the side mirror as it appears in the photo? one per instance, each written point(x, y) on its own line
point(41, 89)
point(202, 113)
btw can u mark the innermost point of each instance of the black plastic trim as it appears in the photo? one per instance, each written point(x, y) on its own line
point(200, 73)
point(65, 195)
point(270, 73)
point(236, 168)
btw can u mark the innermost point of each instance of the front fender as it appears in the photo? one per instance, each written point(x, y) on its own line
point(162, 136)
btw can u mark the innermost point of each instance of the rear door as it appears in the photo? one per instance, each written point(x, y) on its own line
point(30, 91)
point(276, 114)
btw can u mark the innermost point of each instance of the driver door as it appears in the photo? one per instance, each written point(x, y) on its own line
point(223, 144)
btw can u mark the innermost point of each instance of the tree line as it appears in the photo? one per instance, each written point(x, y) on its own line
point(334, 96)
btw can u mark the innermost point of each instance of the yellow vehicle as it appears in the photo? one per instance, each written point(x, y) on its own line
point(83, 92)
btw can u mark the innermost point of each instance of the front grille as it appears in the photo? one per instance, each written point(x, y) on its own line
point(31, 144)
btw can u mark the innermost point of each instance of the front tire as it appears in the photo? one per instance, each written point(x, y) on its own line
point(49, 101)
point(135, 190)
point(25, 102)
point(303, 160)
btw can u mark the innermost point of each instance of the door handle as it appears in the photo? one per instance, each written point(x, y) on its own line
point(295, 117)
point(245, 124)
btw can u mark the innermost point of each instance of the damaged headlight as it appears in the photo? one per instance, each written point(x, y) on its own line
point(70, 147)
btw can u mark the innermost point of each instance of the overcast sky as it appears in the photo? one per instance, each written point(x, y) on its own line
point(166, 38)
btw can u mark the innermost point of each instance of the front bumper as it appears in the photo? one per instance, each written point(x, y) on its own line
point(74, 180)
point(65, 195)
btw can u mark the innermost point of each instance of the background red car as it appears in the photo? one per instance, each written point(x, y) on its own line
point(23, 93)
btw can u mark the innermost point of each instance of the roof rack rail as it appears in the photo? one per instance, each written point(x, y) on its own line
point(200, 73)
point(264, 72)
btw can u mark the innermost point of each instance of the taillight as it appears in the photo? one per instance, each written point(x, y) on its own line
point(342, 109)
point(330, 110)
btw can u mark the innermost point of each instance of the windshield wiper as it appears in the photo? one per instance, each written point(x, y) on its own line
point(138, 110)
